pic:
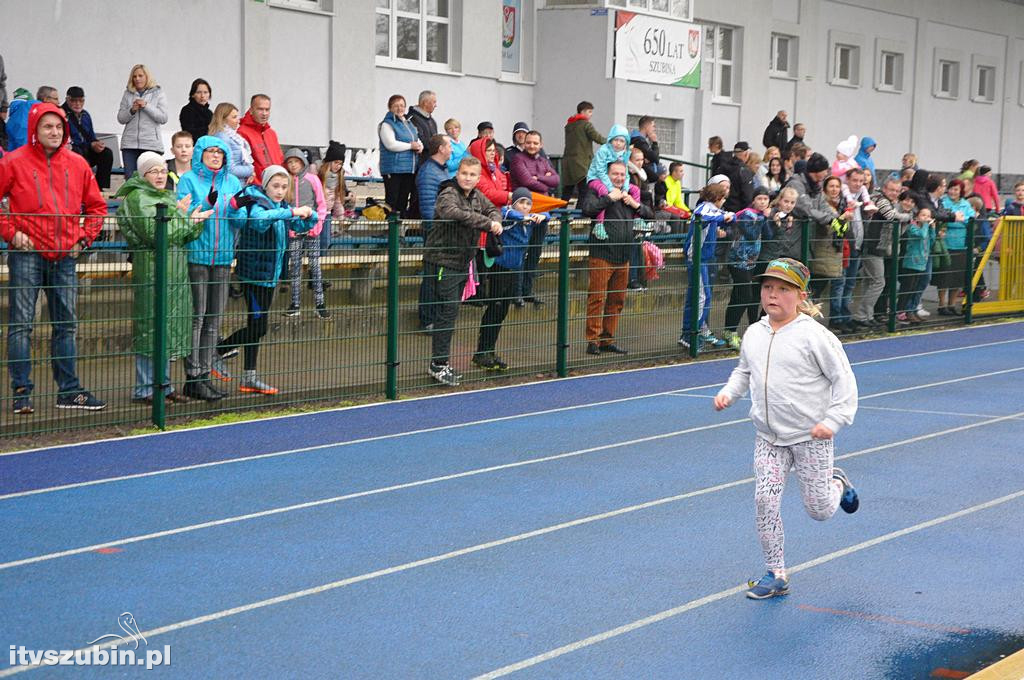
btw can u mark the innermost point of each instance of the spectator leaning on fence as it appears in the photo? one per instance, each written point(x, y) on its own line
point(465, 213)
point(210, 185)
point(49, 188)
point(261, 246)
point(140, 196)
point(143, 111)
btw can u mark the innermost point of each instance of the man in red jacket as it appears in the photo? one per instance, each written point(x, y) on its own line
point(255, 127)
point(48, 185)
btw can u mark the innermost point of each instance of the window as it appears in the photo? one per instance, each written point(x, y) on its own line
point(890, 71)
point(721, 59)
point(669, 131)
point(846, 65)
point(783, 56)
point(413, 30)
point(984, 86)
point(310, 5)
point(679, 9)
point(948, 79)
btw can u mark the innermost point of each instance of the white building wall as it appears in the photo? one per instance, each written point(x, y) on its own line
point(326, 82)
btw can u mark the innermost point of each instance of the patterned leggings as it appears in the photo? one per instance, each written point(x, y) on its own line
point(813, 463)
point(310, 247)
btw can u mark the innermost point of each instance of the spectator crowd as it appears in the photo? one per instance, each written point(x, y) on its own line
point(238, 201)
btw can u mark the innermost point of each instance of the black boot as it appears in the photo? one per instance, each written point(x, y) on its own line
point(198, 387)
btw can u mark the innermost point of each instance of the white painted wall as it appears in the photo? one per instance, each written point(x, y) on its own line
point(327, 84)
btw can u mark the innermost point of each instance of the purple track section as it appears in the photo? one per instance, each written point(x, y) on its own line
point(91, 461)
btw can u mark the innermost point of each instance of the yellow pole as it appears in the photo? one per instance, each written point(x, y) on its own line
point(988, 252)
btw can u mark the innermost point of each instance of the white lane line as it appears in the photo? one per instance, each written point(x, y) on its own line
point(288, 597)
point(334, 585)
point(364, 440)
point(930, 413)
point(721, 595)
point(936, 351)
point(468, 473)
point(948, 382)
point(358, 494)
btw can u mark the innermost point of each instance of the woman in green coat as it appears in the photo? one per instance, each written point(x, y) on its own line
point(140, 195)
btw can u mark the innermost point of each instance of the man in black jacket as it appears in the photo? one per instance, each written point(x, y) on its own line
point(645, 138)
point(775, 134)
point(741, 179)
point(610, 244)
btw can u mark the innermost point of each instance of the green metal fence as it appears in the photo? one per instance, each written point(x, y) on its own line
point(373, 344)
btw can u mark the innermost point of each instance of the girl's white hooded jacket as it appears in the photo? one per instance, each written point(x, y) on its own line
point(798, 376)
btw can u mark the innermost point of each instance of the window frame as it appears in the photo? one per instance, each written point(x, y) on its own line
point(982, 63)
point(423, 18)
point(716, 62)
point(838, 40)
point(792, 55)
point(646, 8)
point(943, 56)
point(663, 126)
point(325, 7)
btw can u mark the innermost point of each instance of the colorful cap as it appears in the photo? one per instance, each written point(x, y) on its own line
point(789, 270)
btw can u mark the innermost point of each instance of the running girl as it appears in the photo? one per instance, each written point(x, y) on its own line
point(803, 391)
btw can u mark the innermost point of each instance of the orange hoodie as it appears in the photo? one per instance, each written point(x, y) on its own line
point(493, 183)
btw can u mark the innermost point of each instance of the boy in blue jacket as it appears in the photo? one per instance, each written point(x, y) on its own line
point(261, 247)
point(500, 277)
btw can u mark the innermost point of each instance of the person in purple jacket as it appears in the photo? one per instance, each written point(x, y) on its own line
point(531, 169)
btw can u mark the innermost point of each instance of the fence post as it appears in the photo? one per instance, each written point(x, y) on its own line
point(695, 286)
point(894, 277)
point(562, 350)
point(805, 243)
point(160, 317)
point(969, 275)
point(391, 378)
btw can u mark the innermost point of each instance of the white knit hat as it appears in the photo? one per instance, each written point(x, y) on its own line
point(848, 147)
point(149, 160)
point(717, 179)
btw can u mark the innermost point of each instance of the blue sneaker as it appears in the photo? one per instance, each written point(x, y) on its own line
point(708, 338)
point(768, 586)
point(80, 400)
point(850, 500)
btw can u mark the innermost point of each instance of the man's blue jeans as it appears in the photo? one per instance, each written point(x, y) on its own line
point(842, 290)
point(28, 273)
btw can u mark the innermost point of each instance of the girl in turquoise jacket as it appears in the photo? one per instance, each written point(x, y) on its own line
point(615, 149)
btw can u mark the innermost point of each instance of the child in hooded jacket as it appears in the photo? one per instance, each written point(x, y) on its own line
point(305, 189)
point(261, 247)
point(748, 229)
point(615, 149)
point(802, 392)
point(210, 186)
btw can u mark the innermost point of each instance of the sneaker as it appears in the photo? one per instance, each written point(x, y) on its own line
point(922, 312)
point(80, 400)
point(732, 339)
point(708, 338)
point(902, 318)
point(219, 370)
point(768, 586)
point(293, 310)
point(444, 374)
point(613, 348)
point(229, 354)
point(519, 302)
point(323, 312)
point(850, 500)
point(635, 285)
point(256, 386)
point(489, 362)
point(23, 403)
point(235, 291)
point(593, 348)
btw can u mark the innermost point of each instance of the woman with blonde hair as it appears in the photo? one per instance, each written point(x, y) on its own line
point(143, 110)
point(224, 125)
